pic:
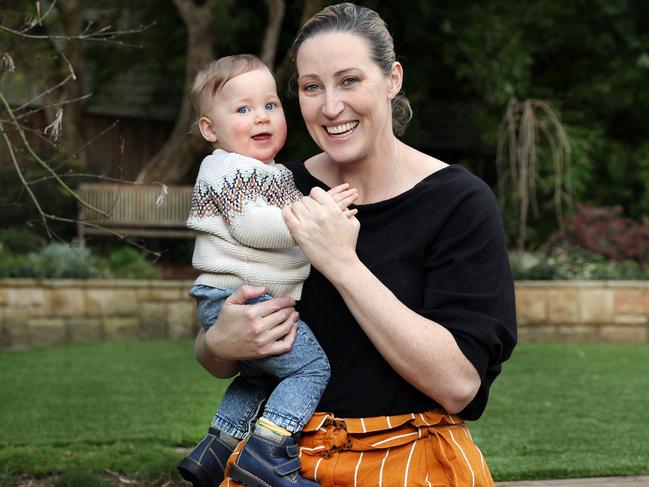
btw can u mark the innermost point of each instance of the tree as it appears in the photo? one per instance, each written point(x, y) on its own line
point(16, 134)
point(166, 165)
point(170, 164)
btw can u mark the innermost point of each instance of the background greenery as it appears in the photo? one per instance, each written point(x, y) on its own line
point(24, 253)
point(463, 61)
point(557, 410)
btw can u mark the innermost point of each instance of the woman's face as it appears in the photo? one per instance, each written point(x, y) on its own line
point(345, 99)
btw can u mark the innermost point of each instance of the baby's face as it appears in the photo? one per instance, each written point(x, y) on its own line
point(248, 116)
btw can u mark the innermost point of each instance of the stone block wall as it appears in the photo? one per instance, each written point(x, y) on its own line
point(607, 311)
point(58, 311)
point(53, 312)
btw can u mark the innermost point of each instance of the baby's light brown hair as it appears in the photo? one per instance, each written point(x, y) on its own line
point(211, 78)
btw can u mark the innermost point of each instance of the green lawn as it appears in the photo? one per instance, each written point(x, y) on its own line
point(557, 410)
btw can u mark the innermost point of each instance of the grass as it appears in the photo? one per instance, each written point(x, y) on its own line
point(558, 410)
point(568, 410)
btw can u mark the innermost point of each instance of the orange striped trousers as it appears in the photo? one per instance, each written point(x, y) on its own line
point(431, 449)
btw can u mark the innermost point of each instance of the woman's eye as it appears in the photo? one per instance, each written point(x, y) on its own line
point(270, 106)
point(350, 81)
point(310, 87)
point(243, 109)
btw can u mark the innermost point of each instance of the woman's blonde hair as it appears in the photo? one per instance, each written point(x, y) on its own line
point(364, 22)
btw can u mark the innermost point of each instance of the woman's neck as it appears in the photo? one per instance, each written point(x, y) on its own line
point(380, 177)
point(373, 176)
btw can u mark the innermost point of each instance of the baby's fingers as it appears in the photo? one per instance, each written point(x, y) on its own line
point(345, 198)
point(350, 213)
point(338, 189)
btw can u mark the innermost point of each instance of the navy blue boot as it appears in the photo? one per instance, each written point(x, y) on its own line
point(205, 464)
point(269, 460)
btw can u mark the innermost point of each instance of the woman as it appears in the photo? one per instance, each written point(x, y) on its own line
point(412, 301)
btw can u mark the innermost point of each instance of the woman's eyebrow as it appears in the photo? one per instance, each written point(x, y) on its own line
point(337, 73)
point(343, 71)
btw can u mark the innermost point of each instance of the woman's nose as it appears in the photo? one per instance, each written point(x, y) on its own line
point(332, 105)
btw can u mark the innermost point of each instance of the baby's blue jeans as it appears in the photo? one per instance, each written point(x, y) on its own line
point(291, 384)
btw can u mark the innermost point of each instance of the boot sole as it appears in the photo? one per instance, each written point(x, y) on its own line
point(246, 478)
point(195, 473)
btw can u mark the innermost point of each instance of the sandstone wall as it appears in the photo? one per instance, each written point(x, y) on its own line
point(53, 312)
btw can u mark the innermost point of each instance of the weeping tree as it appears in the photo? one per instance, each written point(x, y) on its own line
point(533, 154)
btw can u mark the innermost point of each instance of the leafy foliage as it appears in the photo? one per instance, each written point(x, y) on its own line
point(606, 232)
point(61, 260)
point(19, 240)
point(462, 62)
point(571, 262)
point(128, 263)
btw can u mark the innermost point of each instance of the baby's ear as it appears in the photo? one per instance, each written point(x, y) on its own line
point(206, 127)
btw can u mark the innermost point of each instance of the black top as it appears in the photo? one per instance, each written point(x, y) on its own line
point(439, 247)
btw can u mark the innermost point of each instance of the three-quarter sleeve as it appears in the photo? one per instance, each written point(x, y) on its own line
point(469, 286)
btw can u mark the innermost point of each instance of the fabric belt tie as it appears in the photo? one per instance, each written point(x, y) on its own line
point(377, 433)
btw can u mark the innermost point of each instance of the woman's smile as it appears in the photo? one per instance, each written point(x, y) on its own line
point(341, 129)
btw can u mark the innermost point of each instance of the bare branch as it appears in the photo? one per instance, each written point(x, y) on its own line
point(42, 163)
point(21, 176)
point(103, 35)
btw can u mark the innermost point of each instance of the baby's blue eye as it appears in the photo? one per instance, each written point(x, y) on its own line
point(270, 106)
point(243, 109)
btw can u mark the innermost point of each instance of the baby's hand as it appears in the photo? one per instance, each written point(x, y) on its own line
point(344, 196)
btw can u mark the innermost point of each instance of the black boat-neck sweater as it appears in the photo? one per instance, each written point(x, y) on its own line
point(439, 247)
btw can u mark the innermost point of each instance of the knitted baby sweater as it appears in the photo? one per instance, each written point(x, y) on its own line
point(236, 208)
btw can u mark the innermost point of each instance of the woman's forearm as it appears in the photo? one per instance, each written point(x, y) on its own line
point(221, 369)
point(423, 352)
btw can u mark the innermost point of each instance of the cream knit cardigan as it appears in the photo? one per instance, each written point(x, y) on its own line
point(242, 239)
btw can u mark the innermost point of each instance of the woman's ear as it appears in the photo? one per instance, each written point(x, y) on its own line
point(396, 80)
point(206, 126)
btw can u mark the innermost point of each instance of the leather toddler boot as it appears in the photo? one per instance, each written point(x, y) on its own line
point(269, 460)
point(205, 464)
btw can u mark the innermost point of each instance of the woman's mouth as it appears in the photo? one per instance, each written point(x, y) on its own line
point(342, 129)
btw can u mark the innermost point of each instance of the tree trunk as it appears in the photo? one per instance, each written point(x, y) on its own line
point(283, 71)
point(275, 16)
point(173, 160)
point(73, 140)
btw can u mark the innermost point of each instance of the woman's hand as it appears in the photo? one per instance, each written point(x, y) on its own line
point(247, 331)
point(325, 230)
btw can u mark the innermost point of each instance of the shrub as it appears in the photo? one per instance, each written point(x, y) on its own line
point(76, 261)
point(20, 240)
point(128, 263)
point(572, 262)
point(12, 265)
point(63, 260)
point(604, 231)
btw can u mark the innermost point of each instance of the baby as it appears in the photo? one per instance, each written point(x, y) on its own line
point(236, 208)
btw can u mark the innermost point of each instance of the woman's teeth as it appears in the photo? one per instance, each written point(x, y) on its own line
point(340, 129)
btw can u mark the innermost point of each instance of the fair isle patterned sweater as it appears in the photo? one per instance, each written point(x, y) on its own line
point(237, 210)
